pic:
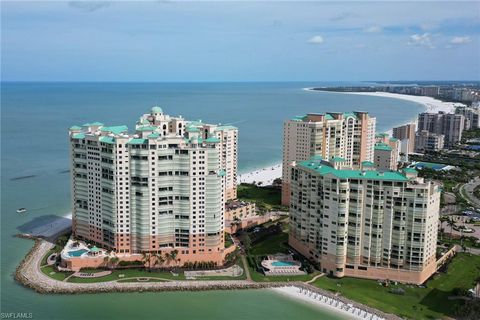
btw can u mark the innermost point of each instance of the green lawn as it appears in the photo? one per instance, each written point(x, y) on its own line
point(128, 273)
point(277, 243)
point(57, 275)
point(267, 197)
point(417, 303)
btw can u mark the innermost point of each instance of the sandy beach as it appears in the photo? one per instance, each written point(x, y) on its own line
point(325, 303)
point(264, 175)
point(268, 174)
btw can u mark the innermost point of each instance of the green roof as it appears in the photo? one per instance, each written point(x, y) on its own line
point(110, 140)
point(350, 114)
point(146, 128)
point(368, 164)
point(410, 170)
point(192, 129)
point(75, 128)
point(337, 159)
point(153, 135)
point(393, 139)
point(137, 141)
point(383, 147)
point(144, 121)
point(96, 124)
point(157, 109)
point(212, 140)
point(328, 116)
point(225, 127)
point(323, 169)
point(381, 135)
point(195, 123)
point(298, 118)
point(78, 136)
point(94, 249)
point(114, 129)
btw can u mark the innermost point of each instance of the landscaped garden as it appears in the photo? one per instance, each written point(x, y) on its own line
point(265, 198)
point(414, 302)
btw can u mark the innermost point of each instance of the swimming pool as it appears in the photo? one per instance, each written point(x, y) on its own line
point(77, 253)
point(283, 264)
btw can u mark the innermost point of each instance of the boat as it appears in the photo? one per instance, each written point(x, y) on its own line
point(21, 210)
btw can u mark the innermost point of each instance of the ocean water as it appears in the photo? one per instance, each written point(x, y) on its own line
point(34, 122)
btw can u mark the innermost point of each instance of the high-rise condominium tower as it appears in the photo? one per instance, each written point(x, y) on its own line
point(364, 223)
point(346, 135)
point(161, 188)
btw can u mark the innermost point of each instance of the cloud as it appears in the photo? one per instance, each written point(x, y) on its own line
point(316, 40)
point(88, 6)
point(373, 29)
point(421, 40)
point(460, 40)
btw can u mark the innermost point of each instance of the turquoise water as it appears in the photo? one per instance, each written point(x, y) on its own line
point(282, 264)
point(34, 122)
point(77, 253)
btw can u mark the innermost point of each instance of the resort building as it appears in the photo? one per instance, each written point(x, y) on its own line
point(161, 188)
point(406, 132)
point(349, 136)
point(364, 223)
point(428, 142)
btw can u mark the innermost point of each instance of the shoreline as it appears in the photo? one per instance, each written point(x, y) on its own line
point(266, 175)
point(28, 274)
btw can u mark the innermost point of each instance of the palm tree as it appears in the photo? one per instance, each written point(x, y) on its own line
point(159, 259)
point(168, 258)
point(146, 258)
point(174, 255)
point(114, 261)
point(106, 259)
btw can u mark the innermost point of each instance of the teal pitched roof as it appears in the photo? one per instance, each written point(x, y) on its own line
point(115, 129)
point(96, 124)
point(156, 109)
point(368, 164)
point(109, 140)
point(383, 147)
point(410, 170)
point(192, 129)
point(324, 169)
point(212, 140)
point(337, 159)
point(393, 139)
point(137, 141)
point(146, 128)
point(225, 127)
point(78, 136)
point(75, 128)
point(153, 135)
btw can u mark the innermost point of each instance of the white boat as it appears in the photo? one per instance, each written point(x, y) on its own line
point(21, 210)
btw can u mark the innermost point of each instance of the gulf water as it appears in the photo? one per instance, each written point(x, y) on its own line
point(35, 118)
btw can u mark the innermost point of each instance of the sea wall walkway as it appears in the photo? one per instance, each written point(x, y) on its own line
point(29, 274)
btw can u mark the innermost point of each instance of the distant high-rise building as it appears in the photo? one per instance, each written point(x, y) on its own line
point(472, 116)
point(406, 132)
point(449, 125)
point(364, 223)
point(386, 152)
point(346, 135)
point(428, 142)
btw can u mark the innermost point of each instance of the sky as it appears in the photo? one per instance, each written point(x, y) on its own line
point(239, 41)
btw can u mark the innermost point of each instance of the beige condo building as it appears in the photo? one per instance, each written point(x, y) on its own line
point(364, 223)
point(161, 188)
point(334, 134)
